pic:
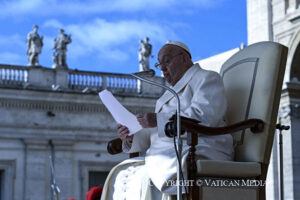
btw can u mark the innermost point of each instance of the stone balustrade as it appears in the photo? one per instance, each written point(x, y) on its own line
point(75, 81)
point(13, 75)
point(97, 80)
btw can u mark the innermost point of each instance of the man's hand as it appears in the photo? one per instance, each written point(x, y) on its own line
point(147, 120)
point(123, 132)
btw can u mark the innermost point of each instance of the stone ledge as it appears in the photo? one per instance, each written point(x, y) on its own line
point(63, 106)
point(85, 134)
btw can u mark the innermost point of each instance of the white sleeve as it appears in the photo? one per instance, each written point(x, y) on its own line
point(141, 141)
point(208, 103)
point(162, 120)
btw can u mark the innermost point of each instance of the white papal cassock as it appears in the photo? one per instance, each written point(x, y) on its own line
point(202, 97)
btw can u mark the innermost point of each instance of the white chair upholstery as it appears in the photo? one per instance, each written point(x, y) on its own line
point(228, 169)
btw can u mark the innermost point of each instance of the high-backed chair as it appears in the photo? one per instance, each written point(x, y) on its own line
point(253, 81)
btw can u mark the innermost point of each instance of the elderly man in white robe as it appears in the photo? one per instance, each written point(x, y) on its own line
point(202, 97)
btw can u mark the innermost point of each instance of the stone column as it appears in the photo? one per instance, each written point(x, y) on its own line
point(37, 170)
point(294, 94)
point(259, 17)
point(40, 76)
point(290, 143)
point(292, 6)
point(63, 164)
point(48, 78)
point(61, 77)
point(272, 176)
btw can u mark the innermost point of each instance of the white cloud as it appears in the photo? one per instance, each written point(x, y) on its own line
point(204, 3)
point(12, 49)
point(116, 55)
point(110, 40)
point(17, 7)
point(102, 33)
point(88, 7)
point(11, 58)
point(53, 23)
point(12, 41)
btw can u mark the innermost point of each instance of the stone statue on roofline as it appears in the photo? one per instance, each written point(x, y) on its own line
point(145, 51)
point(60, 50)
point(34, 46)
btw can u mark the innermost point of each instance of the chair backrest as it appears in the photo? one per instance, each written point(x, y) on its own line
point(253, 82)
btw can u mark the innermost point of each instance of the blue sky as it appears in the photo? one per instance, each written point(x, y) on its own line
point(106, 33)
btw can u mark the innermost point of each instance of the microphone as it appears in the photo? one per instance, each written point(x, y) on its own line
point(148, 73)
point(151, 72)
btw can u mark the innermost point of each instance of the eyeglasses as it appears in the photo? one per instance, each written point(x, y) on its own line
point(166, 62)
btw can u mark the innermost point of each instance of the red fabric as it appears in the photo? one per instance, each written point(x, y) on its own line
point(94, 193)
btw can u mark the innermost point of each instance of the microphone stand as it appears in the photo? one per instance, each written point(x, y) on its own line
point(54, 187)
point(281, 127)
point(179, 140)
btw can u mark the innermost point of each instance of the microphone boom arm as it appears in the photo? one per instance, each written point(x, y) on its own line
point(179, 140)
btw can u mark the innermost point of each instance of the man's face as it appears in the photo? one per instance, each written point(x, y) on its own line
point(171, 61)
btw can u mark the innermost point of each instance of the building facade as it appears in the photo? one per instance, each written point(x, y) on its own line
point(56, 115)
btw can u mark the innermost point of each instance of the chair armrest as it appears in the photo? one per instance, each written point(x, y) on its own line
point(191, 125)
point(114, 146)
point(255, 125)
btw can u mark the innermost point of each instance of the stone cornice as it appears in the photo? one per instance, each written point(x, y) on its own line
point(53, 106)
point(50, 133)
point(63, 106)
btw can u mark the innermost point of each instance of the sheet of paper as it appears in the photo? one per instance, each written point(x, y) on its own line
point(119, 112)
